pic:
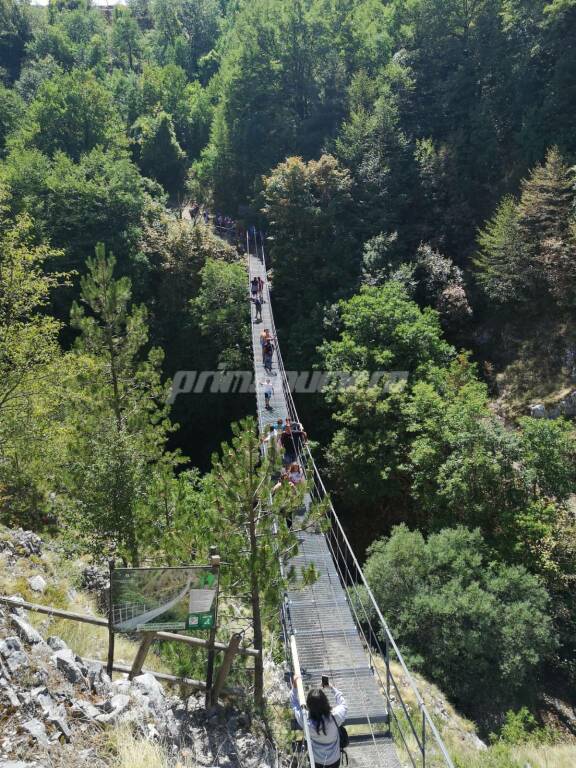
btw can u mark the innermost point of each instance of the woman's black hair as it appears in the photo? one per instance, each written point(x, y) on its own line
point(318, 708)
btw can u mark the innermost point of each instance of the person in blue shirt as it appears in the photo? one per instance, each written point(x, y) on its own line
point(323, 723)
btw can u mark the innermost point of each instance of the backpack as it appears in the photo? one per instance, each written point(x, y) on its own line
point(344, 739)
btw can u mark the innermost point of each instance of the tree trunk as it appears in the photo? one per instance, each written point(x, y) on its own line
point(255, 593)
point(256, 614)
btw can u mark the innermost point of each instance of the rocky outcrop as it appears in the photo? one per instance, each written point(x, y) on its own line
point(21, 543)
point(565, 407)
point(56, 704)
point(56, 707)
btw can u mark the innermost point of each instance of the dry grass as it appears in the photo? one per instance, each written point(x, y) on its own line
point(556, 756)
point(135, 752)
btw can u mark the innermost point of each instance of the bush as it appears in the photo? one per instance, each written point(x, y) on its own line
point(480, 627)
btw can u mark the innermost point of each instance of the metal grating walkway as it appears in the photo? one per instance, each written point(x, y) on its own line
point(327, 639)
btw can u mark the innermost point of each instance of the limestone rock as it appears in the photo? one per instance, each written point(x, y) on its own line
point(117, 705)
point(26, 631)
point(18, 764)
point(149, 686)
point(9, 694)
point(58, 719)
point(13, 654)
point(14, 609)
point(98, 679)
point(37, 583)
point(56, 643)
point(37, 730)
point(84, 710)
point(66, 663)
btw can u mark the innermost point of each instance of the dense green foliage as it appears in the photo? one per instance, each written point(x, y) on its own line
point(481, 628)
point(412, 165)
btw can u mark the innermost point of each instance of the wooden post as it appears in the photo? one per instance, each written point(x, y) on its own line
point(110, 664)
point(226, 664)
point(141, 654)
point(215, 563)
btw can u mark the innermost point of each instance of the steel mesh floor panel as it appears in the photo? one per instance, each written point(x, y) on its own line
point(380, 753)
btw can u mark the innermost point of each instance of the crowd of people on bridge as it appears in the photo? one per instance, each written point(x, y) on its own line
point(225, 226)
point(257, 297)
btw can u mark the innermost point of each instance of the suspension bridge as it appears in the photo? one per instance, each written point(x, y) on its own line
point(334, 627)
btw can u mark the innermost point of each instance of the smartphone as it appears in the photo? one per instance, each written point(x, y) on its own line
point(325, 681)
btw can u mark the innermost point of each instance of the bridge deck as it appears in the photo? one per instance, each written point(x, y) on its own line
point(327, 638)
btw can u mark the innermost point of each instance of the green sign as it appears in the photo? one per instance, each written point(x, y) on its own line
point(155, 599)
point(200, 620)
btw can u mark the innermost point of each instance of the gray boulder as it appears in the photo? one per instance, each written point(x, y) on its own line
point(66, 663)
point(37, 730)
point(115, 707)
point(56, 643)
point(26, 631)
point(150, 687)
point(13, 654)
point(537, 411)
point(37, 583)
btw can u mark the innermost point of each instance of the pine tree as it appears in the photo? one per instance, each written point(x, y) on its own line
point(253, 530)
point(160, 155)
point(118, 410)
point(547, 199)
point(546, 223)
point(504, 270)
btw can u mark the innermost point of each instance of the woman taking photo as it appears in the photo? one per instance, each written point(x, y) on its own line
point(323, 722)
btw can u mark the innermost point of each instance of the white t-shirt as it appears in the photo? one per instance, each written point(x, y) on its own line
point(325, 746)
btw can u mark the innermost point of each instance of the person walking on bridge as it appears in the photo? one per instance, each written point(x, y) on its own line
point(265, 337)
point(258, 307)
point(268, 390)
point(324, 722)
point(268, 350)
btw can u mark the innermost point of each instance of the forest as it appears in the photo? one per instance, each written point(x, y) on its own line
point(411, 166)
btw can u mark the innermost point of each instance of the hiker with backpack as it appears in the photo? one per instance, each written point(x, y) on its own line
point(265, 337)
point(268, 352)
point(326, 724)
